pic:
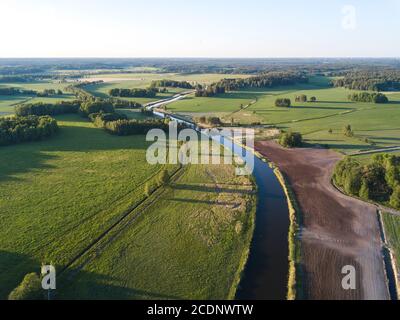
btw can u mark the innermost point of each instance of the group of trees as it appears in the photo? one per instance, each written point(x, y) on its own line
point(210, 90)
point(96, 106)
point(125, 104)
point(172, 84)
point(133, 93)
point(283, 102)
point(304, 98)
point(22, 129)
point(100, 119)
point(134, 127)
point(265, 80)
point(368, 97)
point(291, 139)
point(382, 80)
point(42, 109)
point(16, 91)
point(49, 93)
point(378, 180)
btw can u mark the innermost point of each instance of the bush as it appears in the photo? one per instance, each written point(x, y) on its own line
point(22, 129)
point(348, 131)
point(313, 99)
point(29, 289)
point(291, 139)
point(164, 177)
point(46, 109)
point(283, 102)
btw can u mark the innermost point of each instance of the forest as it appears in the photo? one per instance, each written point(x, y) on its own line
point(383, 80)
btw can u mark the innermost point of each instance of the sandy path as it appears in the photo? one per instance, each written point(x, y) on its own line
point(337, 230)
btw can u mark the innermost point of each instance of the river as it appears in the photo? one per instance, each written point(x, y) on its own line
point(266, 274)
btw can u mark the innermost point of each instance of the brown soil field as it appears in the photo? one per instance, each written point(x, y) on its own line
point(336, 230)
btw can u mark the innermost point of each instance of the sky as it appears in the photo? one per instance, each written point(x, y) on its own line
point(193, 28)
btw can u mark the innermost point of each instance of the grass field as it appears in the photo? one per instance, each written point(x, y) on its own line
point(189, 244)
point(374, 125)
point(143, 80)
point(58, 195)
point(7, 103)
point(392, 228)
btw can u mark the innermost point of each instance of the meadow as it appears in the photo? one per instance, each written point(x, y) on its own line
point(7, 103)
point(321, 123)
point(59, 196)
point(190, 242)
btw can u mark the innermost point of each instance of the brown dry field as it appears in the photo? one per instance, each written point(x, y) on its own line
point(336, 230)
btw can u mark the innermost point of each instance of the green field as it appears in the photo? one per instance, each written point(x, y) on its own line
point(143, 80)
point(392, 228)
point(7, 103)
point(58, 194)
point(375, 125)
point(189, 244)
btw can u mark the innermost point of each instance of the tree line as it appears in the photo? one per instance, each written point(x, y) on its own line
point(50, 109)
point(368, 97)
point(379, 180)
point(22, 129)
point(210, 90)
point(133, 93)
point(383, 80)
point(172, 84)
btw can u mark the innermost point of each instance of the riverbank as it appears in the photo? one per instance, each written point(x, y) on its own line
point(336, 230)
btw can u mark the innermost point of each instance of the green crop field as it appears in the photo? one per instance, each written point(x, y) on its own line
point(392, 228)
point(189, 244)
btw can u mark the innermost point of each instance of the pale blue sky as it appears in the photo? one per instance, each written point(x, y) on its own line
point(207, 28)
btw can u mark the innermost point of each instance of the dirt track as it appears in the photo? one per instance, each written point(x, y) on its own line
point(336, 230)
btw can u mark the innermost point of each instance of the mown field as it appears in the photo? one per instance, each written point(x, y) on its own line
point(375, 125)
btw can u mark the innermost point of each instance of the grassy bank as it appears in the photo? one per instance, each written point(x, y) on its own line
point(294, 281)
point(391, 226)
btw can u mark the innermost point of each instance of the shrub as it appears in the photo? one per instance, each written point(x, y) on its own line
point(29, 289)
point(283, 102)
point(291, 139)
point(164, 177)
point(301, 98)
point(313, 99)
point(348, 131)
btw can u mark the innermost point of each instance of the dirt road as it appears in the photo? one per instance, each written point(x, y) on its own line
point(336, 230)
